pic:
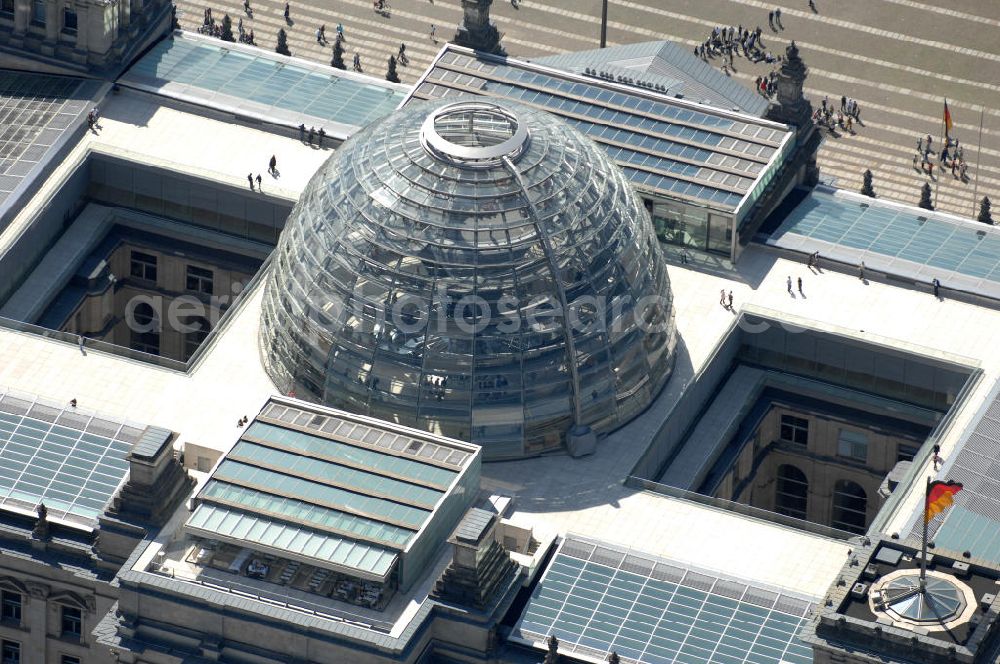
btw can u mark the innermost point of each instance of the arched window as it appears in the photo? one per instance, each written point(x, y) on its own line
point(198, 329)
point(147, 337)
point(791, 492)
point(850, 506)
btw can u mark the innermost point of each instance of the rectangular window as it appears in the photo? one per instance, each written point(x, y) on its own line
point(7, 6)
point(10, 652)
point(143, 266)
point(199, 280)
point(72, 622)
point(852, 444)
point(794, 429)
point(38, 12)
point(10, 606)
point(906, 452)
point(69, 659)
point(145, 342)
point(69, 21)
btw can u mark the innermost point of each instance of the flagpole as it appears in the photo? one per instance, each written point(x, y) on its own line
point(944, 140)
point(923, 552)
point(979, 151)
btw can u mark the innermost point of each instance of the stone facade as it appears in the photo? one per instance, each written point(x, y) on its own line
point(80, 35)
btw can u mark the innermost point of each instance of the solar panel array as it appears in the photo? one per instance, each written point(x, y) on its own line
point(695, 153)
point(34, 112)
point(597, 598)
point(255, 79)
point(70, 461)
point(973, 522)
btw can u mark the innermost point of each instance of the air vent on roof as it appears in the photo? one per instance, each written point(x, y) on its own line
point(981, 234)
point(859, 591)
point(864, 205)
point(921, 219)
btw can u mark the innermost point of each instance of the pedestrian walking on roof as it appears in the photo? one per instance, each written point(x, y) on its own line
point(319, 36)
point(937, 287)
point(357, 62)
point(770, 19)
point(861, 271)
point(730, 298)
point(312, 132)
point(321, 135)
point(722, 297)
point(800, 286)
point(258, 178)
point(843, 102)
point(302, 133)
point(434, 33)
point(250, 180)
point(272, 166)
point(788, 283)
point(777, 18)
point(288, 11)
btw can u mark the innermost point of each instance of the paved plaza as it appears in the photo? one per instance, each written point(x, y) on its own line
point(898, 58)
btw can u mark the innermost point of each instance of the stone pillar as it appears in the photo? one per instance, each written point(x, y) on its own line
point(124, 15)
point(477, 31)
point(22, 14)
point(101, 29)
point(53, 20)
point(82, 26)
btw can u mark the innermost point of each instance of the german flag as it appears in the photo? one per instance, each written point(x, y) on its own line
point(947, 119)
point(940, 496)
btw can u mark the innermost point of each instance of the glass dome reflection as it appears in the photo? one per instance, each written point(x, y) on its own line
point(478, 270)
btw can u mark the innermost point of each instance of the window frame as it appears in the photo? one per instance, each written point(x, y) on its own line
point(146, 263)
point(838, 507)
point(850, 444)
point(5, 596)
point(78, 620)
point(795, 426)
point(902, 455)
point(9, 643)
point(197, 282)
point(69, 659)
point(779, 490)
point(68, 11)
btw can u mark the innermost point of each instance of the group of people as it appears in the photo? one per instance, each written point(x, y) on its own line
point(952, 156)
point(845, 117)
point(313, 133)
point(213, 29)
point(732, 41)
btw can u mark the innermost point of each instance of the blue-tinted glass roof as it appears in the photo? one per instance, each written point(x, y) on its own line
point(342, 491)
point(218, 521)
point(664, 146)
point(898, 239)
point(71, 461)
point(596, 598)
point(264, 84)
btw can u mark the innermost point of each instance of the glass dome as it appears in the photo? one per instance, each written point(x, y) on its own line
point(478, 270)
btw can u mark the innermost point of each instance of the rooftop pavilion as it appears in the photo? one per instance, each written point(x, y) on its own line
point(699, 169)
point(262, 85)
point(328, 502)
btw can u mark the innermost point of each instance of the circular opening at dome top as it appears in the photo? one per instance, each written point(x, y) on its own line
point(474, 134)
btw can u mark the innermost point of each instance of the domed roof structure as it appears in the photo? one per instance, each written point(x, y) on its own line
point(477, 270)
